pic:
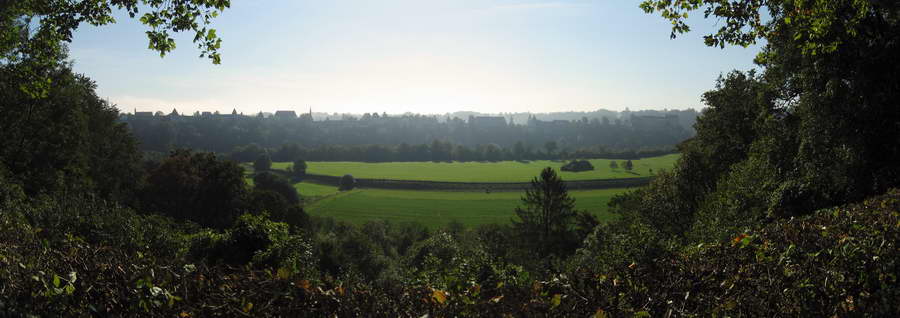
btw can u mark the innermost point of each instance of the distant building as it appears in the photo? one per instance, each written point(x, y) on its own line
point(285, 114)
point(307, 117)
point(233, 115)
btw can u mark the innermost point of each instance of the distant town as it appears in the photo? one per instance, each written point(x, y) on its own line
point(640, 120)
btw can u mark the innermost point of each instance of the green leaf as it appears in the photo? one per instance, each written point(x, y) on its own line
point(56, 281)
point(283, 273)
point(557, 299)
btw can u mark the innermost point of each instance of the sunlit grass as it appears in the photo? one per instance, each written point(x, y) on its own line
point(436, 208)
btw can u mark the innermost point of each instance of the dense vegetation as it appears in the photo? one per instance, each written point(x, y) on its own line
point(406, 137)
point(783, 204)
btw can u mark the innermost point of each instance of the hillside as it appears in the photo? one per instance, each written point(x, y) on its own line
point(65, 260)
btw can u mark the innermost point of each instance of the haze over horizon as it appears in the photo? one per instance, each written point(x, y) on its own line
point(400, 56)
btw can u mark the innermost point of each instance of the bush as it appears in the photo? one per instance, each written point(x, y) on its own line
point(251, 238)
point(298, 169)
point(198, 187)
point(263, 163)
point(272, 182)
point(347, 183)
point(578, 166)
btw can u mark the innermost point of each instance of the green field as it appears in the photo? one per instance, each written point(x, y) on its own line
point(314, 190)
point(437, 208)
point(434, 208)
point(504, 171)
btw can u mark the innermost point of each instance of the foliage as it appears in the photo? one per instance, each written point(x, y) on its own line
point(277, 207)
point(577, 166)
point(405, 138)
point(68, 140)
point(262, 163)
point(816, 115)
point(268, 181)
point(838, 261)
point(628, 165)
point(198, 187)
point(817, 27)
point(246, 153)
point(544, 221)
point(550, 146)
point(34, 32)
point(256, 240)
point(347, 183)
point(298, 169)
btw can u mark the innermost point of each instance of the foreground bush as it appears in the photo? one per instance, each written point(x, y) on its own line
point(840, 261)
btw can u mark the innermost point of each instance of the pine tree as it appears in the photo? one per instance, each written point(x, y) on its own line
point(545, 220)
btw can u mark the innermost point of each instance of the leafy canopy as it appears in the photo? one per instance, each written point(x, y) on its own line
point(818, 26)
point(33, 33)
point(33, 26)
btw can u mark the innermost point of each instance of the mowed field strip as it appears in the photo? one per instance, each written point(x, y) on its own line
point(434, 208)
point(503, 171)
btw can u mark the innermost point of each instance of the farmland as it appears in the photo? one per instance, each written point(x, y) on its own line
point(437, 208)
point(504, 171)
point(433, 208)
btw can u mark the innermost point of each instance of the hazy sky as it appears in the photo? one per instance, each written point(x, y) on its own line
point(424, 56)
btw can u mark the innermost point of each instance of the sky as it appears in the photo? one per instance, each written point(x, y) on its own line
point(420, 56)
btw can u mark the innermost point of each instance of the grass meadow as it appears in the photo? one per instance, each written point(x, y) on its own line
point(437, 208)
point(434, 208)
point(504, 171)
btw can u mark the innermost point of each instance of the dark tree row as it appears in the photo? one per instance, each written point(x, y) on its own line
point(435, 151)
point(225, 132)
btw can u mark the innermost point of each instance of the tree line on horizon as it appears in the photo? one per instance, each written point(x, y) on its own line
point(225, 133)
point(437, 151)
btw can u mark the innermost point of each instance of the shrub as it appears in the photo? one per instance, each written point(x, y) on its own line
point(347, 183)
point(263, 163)
point(298, 169)
point(272, 182)
point(578, 166)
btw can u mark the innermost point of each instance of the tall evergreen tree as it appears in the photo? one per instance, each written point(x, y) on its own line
point(546, 217)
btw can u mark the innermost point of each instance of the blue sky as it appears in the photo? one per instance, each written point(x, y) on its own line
point(423, 56)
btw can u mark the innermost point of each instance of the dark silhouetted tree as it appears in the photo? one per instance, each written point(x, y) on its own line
point(347, 183)
point(551, 147)
point(298, 169)
point(546, 215)
point(278, 184)
point(198, 187)
point(262, 163)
